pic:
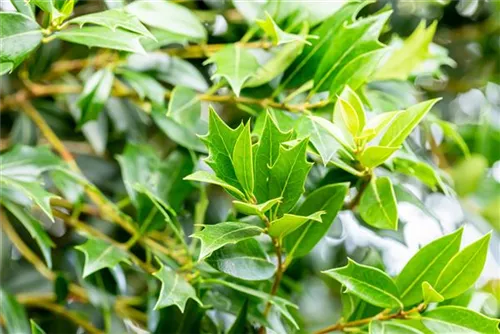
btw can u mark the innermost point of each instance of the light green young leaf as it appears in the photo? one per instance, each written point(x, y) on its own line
point(216, 236)
point(374, 156)
point(169, 16)
point(368, 283)
point(103, 37)
point(49, 6)
point(255, 209)
point(377, 124)
point(245, 260)
point(277, 35)
point(13, 314)
point(463, 269)
point(288, 175)
point(266, 153)
point(378, 206)
point(243, 161)
point(329, 198)
point(346, 117)
point(19, 36)
point(175, 290)
point(288, 223)
point(113, 19)
point(336, 132)
point(409, 55)
point(456, 319)
point(234, 64)
point(426, 265)
point(95, 94)
point(185, 107)
point(404, 123)
point(34, 228)
point(145, 86)
point(99, 254)
point(202, 176)
point(429, 294)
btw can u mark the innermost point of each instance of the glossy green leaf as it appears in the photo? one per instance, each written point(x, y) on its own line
point(330, 199)
point(49, 6)
point(13, 314)
point(185, 107)
point(243, 161)
point(99, 255)
point(404, 123)
point(113, 19)
point(426, 265)
point(169, 16)
point(255, 209)
point(145, 86)
point(24, 8)
point(216, 236)
point(412, 166)
point(285, 225)
point(385, 327)
point(405, 58)
point(349, 113)
point(336, 132)
point(175, 290)
point(19, 36)
point(266, 153)
point(202, 176)
point(35, 329)
point(239, 325)
point(378, 206)
point(368, 283)
point(463, 269)
point(277, 35)
point(95, 94)
point(429, 294)
point(102, 37)
point(374, 156)
point(455, 319)
point(377, 124)
point(244, 260)
point(235, 64)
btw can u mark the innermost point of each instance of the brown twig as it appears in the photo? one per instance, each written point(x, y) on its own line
point(355, 201)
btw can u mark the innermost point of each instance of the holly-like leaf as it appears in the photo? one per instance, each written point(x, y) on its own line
point(288, 175)
point(234, 64)
point(378, 206)
point(169, 16)
point(328, 198)
point(175, 290)
point(243, 161)
point(266, 154)
point(368, 283)
point(277, 35)
point(255, 209)
point(19, 36)
point(244, 260)
point(216, 236)
point(103, 37)
point(13, 314)
point(456, 319)
point(430, 295)
point(113, 19)
point(426, 265)
point(285, 225)
point(202, 176)
point(463, 269)
point(99, 254)
point(95, 94)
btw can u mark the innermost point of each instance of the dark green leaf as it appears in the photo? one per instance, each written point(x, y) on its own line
point(99, 255)
point(35, 329)
point(455, 319)
point(378, 206)
point(13, 314)
point(243, 161)
point(202, 176)
point(61, 289)
point(95, 94)
point(239, 325)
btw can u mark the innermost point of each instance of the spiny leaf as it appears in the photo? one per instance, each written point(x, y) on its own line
point(378, 204)
point(277, 35)
point(255, 209)
point(203, 176)
point(243, 161)
point(99, 254)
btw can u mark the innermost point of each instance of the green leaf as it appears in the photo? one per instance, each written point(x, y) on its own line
point(19, 36)
point(112, 19)
point(185, 107)
point(239, 325)
point(145, 86)
point(455, 319)
point(288, 175)
point(169, 16)
point(329, 198)
point(408, 56)
point(24, 8)
point(285, 225)
point(221, 140)
point(277, 35)
point(175, 290)
point(383, 327)
point(234, 64)
point(255, 209)
point(412, 166)
point(102, 37)
point(467, 174)
point(35, 329)
point(374, 156)
point(243, 161)
point(404, 123)
point(99, 254)
point(49, 6)
point(336, 132)
point(378, 206)
point(95, 94)
point(377, 124)
point(266, 153)
point(450, 131)
point(13, 314)
point(216, 236)
point(429, 294)
point(202, 176)
point(463, 269)
point(426, 265)
point(35, 229)
point(370, 284)
point(245, 260)
point(349, 113)
point(352, 47)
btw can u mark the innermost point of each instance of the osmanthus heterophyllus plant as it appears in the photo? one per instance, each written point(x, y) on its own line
point(164, 172)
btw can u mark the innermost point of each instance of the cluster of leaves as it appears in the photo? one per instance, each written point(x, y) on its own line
point(323, 128)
